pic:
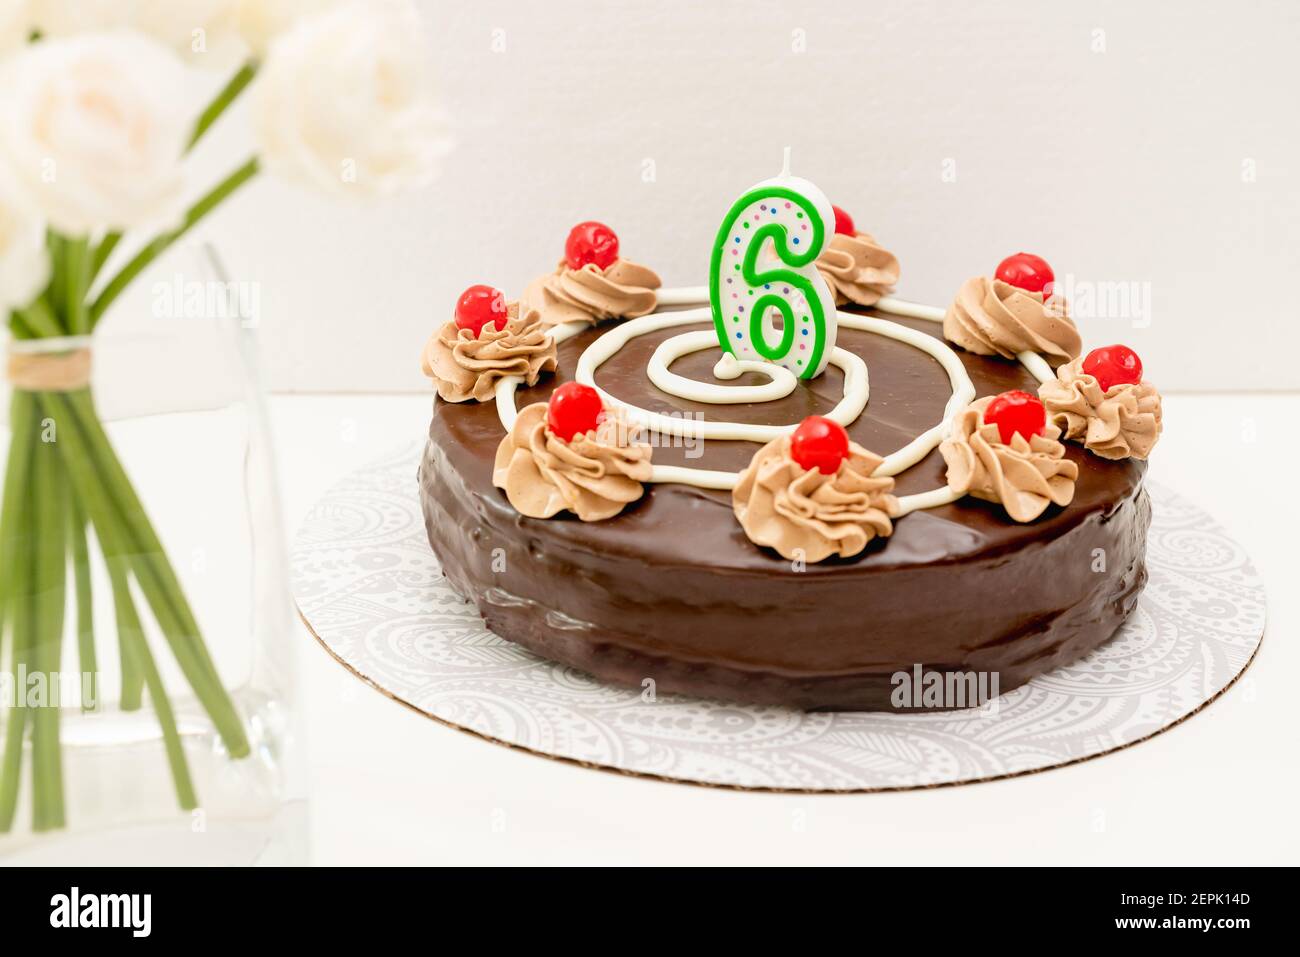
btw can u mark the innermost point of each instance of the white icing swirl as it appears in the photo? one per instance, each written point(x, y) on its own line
point(780, 383)
point(780, 380)
point(604, 348)
point(777, 386)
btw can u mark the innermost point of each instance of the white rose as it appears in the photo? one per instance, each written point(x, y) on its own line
point(15, 24)
point(94, 128)
point(344, 102)
point(262, 21)
point(205, 32)
point(24, 260)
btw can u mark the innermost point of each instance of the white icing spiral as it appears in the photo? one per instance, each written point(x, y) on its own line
point(781, 383)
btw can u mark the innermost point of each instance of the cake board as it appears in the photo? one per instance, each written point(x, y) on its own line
point(370, 590)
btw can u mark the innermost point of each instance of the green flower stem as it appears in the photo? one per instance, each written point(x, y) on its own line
point(22, 420)
point(128, 626)
point(11, 768)
point(13, 507)
point(80, 553)
point(18, 326)
point(103, 250)
point(37, 321)
point(136, 655)
point(49, 576)
point(149, 253)
point(119, 550)
point(15, 531)
point(116, 511)
point(76, 280)
point(15, 730)
point(220, 102)
point(148, 548)
point(56, 290)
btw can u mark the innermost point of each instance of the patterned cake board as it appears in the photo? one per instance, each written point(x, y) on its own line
point(370, 590)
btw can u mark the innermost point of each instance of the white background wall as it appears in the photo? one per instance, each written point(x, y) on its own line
point(1153, 142)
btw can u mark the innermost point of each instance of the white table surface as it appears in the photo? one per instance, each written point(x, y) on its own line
point(389, 786)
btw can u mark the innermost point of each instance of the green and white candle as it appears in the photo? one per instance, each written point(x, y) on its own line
point(769, 301)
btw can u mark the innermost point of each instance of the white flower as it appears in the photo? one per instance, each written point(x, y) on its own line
point(94, 128)
point(262, 21)
point(15, 24)
point(24, 260)
point(205, 32)
point(344, 102)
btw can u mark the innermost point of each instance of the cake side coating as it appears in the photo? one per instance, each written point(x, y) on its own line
point(671, 590)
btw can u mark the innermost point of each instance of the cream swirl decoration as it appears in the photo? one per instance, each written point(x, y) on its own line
point(858, 269)
point(624, 289)
point(1024, 476)
point(594, 475)
point(465, 367)
point(991, 317)
point(1121, 422)
point(805, 514)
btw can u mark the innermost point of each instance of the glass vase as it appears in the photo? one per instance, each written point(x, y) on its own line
point(146, 669)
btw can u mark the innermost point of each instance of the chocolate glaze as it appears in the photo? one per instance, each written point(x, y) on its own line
point(672, 590)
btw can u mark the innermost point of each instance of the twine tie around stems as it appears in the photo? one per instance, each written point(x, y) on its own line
point(49, 371)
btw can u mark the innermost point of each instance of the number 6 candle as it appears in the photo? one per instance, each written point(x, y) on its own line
point(764, 269)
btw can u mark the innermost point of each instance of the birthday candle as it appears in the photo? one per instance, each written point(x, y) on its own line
point(763, 272)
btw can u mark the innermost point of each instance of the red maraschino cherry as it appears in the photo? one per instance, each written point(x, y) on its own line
point(479, 305)
point(843, 222)
point(591, 242)
point(1112, 366)
point(1014, 412)
point(819, 444)
point(1027, 271)
point(573, 409)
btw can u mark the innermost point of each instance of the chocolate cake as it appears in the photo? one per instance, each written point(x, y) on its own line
point(671, 590)
point(973, 507)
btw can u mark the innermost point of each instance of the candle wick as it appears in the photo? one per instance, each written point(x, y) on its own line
point(785, 162)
